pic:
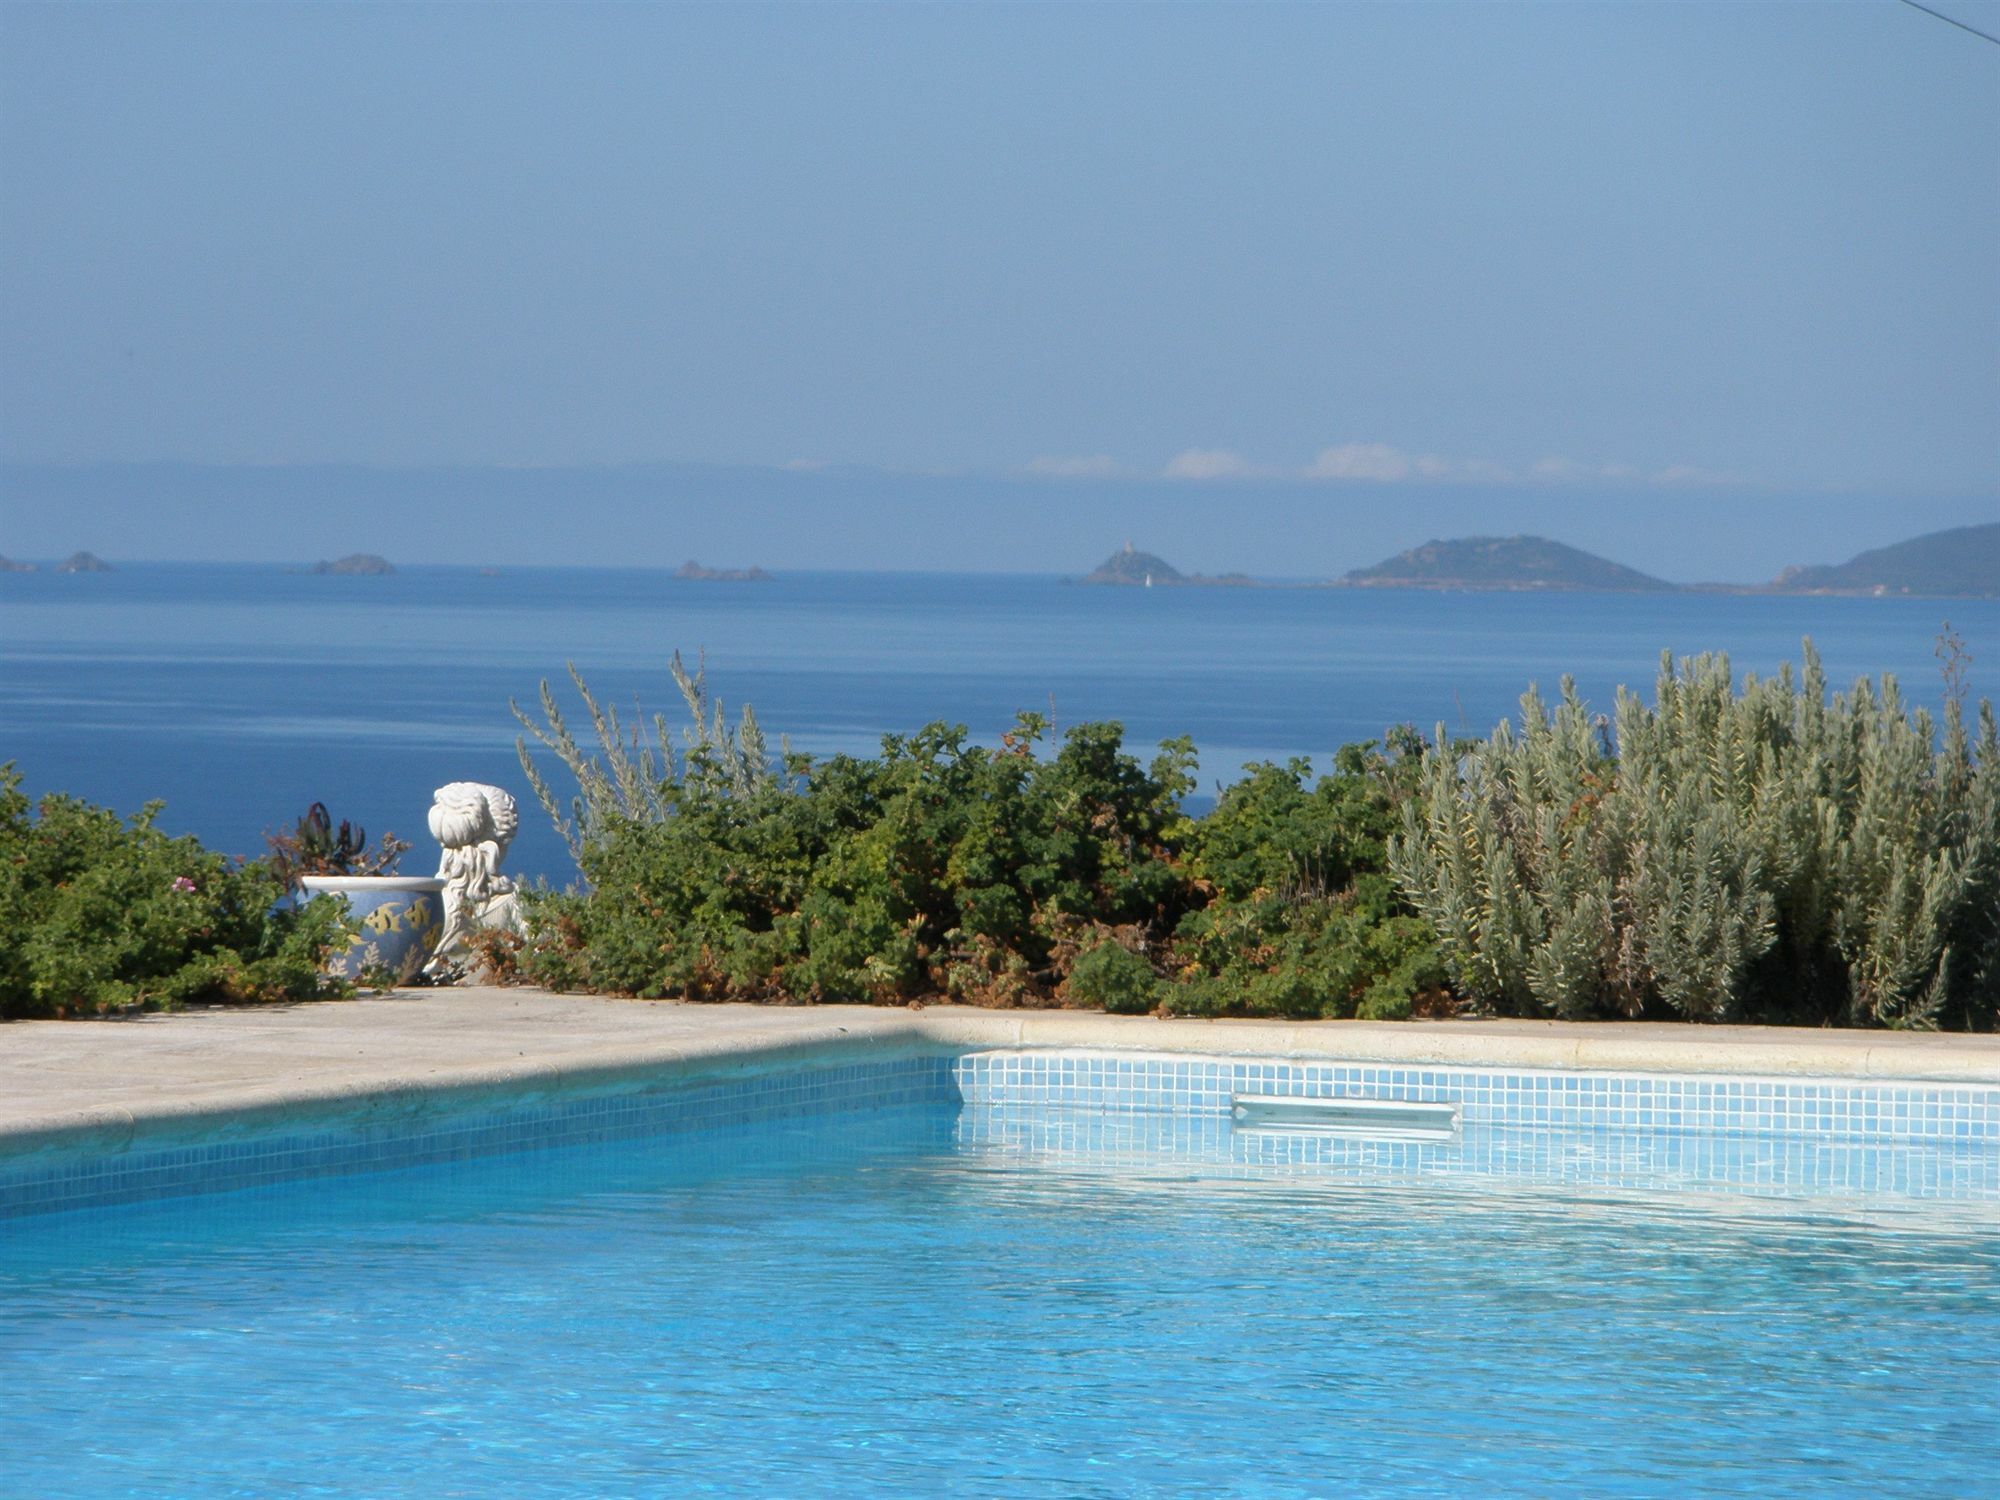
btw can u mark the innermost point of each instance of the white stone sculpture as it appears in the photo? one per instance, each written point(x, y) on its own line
point(475, 823)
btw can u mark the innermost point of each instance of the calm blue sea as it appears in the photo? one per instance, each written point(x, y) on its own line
point(241, 694)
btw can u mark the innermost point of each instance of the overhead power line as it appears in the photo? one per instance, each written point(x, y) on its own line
point(1949, 21)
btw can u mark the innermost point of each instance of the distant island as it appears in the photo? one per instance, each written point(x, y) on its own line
point(1501, 562)
point(1131, 568)
point(1963, 562)
point(696, 573)
point(83, 562)
point(8, 565)
point(364, 564)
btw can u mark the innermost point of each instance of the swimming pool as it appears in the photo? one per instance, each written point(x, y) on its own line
point(1016, 1273)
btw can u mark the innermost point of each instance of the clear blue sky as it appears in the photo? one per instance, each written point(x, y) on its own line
point(1632, 264)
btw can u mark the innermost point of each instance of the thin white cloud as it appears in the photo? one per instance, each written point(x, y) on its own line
point(1381, 463)
point(1690, 474)
point(1558, 468)
point(1377, 461)
point(1483, 471)
point(1569, 470)
point(1075, 466)
point(1210, 463)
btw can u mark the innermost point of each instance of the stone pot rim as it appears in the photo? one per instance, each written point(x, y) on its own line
point(340, 883)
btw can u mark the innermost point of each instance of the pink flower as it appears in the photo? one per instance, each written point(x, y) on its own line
point(182, 883)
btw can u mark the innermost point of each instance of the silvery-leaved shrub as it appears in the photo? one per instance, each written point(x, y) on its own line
point(1766, 852)
point(634, 774)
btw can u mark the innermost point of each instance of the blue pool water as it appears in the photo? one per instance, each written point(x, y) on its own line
point(996, 1299)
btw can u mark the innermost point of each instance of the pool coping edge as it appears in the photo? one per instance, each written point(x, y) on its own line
point(875, 1033)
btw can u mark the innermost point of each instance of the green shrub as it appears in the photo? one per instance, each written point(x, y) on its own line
point(939, 866)
point(1114, 978)
point(1026, 874)
point(1301, 920)
point(103, 915)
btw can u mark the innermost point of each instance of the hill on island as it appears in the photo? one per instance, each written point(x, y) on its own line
point(1964, 561)
point(1133, 567)
point(1501, 562)
point(693, 572)
point(356, 564)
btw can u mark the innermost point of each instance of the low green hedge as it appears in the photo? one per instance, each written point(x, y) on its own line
point(995, 876)
point(101, 915)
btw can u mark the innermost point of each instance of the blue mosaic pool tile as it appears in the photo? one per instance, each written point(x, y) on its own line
point(1637, 1161)
point(40, 1183)
point(1851, 1109)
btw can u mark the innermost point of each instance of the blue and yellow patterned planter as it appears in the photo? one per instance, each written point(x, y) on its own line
point(400, 916)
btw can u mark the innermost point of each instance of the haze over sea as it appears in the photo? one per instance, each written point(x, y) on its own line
point(241, 694)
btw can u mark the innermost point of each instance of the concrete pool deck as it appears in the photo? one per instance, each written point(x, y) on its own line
point(108, 1079)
